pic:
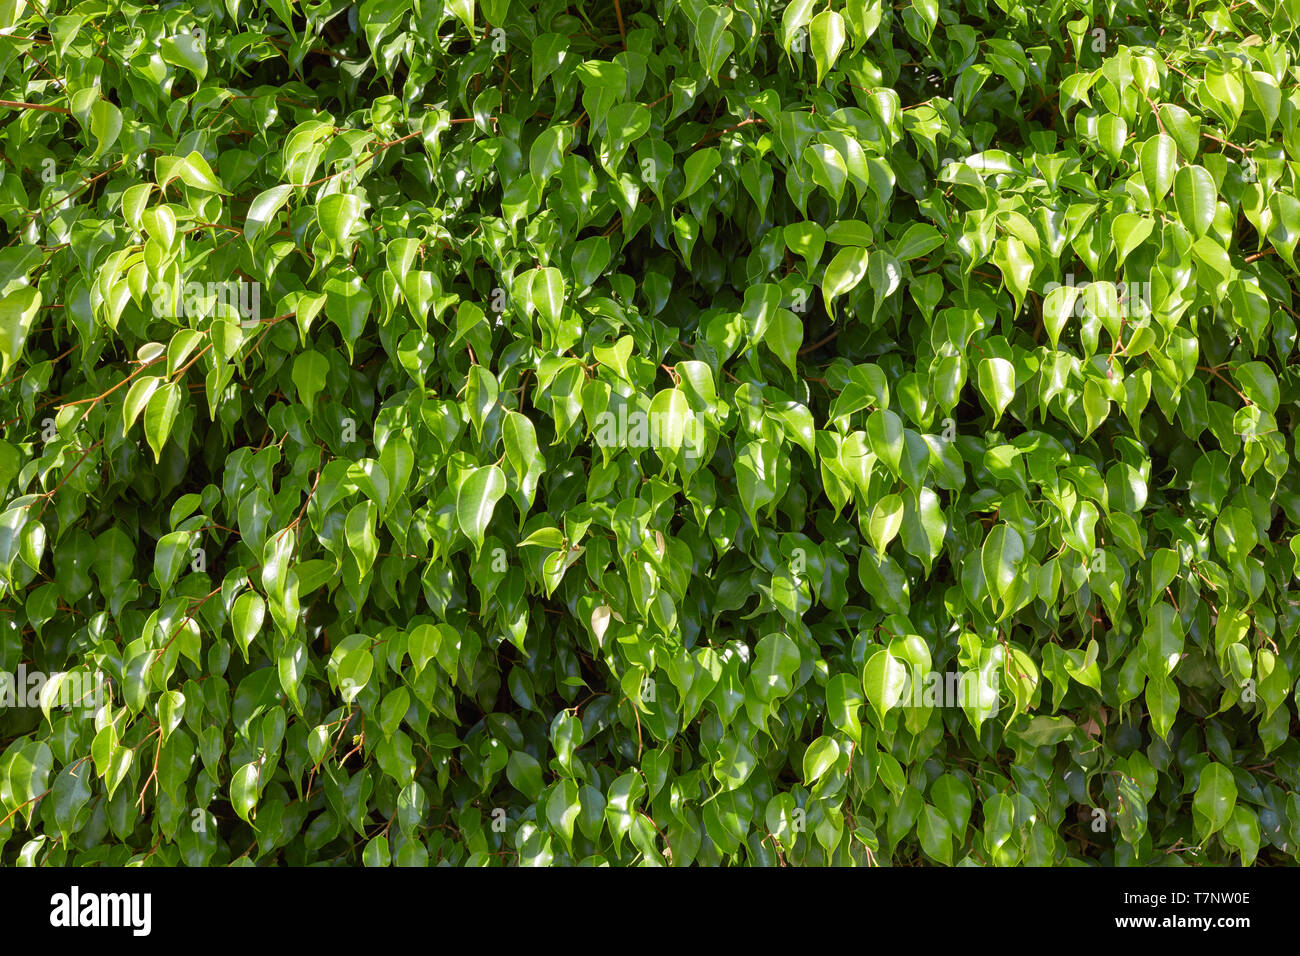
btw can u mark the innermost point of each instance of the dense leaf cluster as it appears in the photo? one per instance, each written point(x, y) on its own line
point(649, 432)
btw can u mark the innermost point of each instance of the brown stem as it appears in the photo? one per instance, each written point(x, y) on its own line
point(622, 31)
point(19, 105)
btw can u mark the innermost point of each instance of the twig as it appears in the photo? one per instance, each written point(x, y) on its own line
point(19, 105)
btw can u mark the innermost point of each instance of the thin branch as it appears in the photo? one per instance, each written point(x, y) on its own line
point(19, 105)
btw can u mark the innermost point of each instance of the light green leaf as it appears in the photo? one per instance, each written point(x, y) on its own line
point(476, 499)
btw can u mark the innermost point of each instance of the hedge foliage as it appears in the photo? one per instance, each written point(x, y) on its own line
point(649, 432)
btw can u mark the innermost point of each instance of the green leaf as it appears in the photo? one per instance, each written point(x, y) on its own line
point(263, 210)
point(713, 39)
point(1001, 557)
point(1216, 797)
point(776, 663)
point(546, 156)
point(246, 618)
point(347, 305)
point(1130, 230)
point(338, 215)
point(847, 268)
point(1157, 160)
point(820, 756)
point(476, 499)
point(886, 520)
point(547, 293)
point(884, 680)
point(525, 774)
point(185, 51)
point(160, 415)
point(1195, 197)
point(105, 126)
point(997, 382)
point(244, 791)
point(310, 369)
point(827, 35)
point(699, 168)
point(885, 435)
point(17, 310)
point(784, 336)
point(137, 399)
